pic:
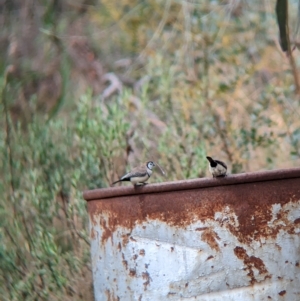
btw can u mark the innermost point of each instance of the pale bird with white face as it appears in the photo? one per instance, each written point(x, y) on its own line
point(217, 168)
point(138, 175)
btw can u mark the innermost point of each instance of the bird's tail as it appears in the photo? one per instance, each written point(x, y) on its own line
point(113, 183)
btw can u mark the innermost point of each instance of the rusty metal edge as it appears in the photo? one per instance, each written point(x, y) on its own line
point(262, 176)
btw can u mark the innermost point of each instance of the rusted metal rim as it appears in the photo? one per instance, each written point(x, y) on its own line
point(110, 192)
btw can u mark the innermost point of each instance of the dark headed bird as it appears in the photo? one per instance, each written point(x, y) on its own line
point(217, 168)
point(138, 175)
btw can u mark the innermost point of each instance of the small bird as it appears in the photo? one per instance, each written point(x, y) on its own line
point(138, 175)
point(217, 168)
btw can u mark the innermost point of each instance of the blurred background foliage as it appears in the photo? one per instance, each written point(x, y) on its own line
point(89, 88)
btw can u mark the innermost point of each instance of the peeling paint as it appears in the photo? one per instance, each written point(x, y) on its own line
point(211, 237)
point(282, 293)
point(251, 262)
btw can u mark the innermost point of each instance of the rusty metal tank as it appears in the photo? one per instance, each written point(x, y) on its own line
point(227, 239)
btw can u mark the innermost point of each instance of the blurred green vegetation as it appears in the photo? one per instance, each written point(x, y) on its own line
point(89, 88)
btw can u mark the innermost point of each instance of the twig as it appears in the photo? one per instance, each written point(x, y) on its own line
point(65, 201)
point(78, 233)
point(115, 85)
point(293, 64)
point(17, 253)
point(8, 133)
point(206, 70)
point(156, 34)
point(223, 137)
point(290, 55)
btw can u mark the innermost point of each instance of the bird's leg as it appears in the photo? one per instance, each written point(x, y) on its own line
point(140, 184)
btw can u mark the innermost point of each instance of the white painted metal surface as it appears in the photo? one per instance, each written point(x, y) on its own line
point(204, 261)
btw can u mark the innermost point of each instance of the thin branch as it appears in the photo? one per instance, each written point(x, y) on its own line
point(17, 253)
point(292, 62)
point(77, 232)
point(223, 137)
point(156, 34)
point(8, 133)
